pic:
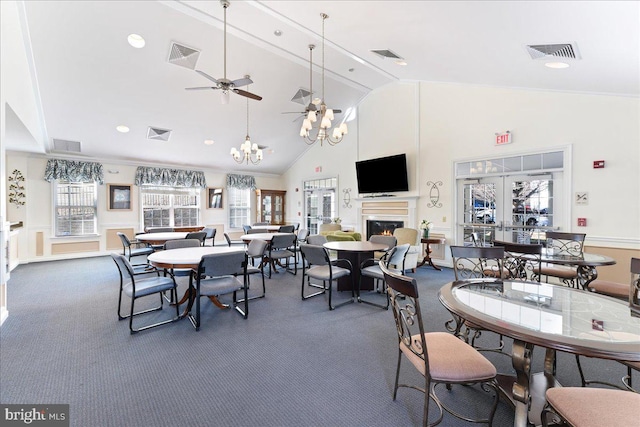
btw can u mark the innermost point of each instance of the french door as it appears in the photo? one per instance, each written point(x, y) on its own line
point(320, 208)
point(511, 208)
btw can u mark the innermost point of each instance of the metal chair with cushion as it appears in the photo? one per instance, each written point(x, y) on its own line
point(316, 239)
point(521, 261)
point(136, 288)
point(255, 231)
point(246, 229)
point(393, 260)
point(221, 274)
point(256, 251)
point(591, 407)
point(301, 237)
point(317, 265)
point(232, 242)
point(389, 241)
point(131, 250)
point(286, 229)
point(200, 236)
point(439, 357)
point(409, 235)
point(279, 250)
point(210, 235)
point(561, 243)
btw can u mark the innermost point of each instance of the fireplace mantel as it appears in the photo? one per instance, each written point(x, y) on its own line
point(387, 208)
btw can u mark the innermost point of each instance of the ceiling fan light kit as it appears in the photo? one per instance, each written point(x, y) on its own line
point(321, 133)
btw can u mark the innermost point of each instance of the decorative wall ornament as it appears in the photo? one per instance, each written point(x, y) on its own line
point(434, 194)
point(16, 188)
point(346, 198)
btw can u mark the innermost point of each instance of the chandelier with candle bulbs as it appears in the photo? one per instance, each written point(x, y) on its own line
point(248, 152)
point(322, 132)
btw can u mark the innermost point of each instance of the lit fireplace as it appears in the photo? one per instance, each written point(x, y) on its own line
point(385, 228)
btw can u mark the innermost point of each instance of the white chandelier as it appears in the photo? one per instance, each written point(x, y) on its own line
point(248, 152)
point(322, 133)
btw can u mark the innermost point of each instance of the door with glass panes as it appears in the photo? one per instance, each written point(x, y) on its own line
point(319, 209)
point(511, 208)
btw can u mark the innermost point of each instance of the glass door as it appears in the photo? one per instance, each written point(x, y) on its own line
point(320, 208)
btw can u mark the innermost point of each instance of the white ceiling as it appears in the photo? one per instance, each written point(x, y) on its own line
point(91, 80)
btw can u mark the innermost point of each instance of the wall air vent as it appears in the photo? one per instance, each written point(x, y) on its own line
point(183, 56)
point(158, 134)
point(560, 50)
point(64, 145)
point(301, 97)
point(386, 53)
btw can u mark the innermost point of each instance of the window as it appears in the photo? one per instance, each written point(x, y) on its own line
point(170, 206)
point(239, 206)
point(75, 208)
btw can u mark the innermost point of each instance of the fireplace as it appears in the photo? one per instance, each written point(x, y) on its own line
point(385, 228)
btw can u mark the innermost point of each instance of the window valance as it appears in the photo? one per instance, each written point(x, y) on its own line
point(241, 182)
point(171, 177)
point(73, 171)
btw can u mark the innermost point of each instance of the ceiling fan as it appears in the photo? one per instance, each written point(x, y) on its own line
point(224, 84)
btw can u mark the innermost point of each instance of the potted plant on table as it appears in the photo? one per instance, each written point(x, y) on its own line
point(425, 226)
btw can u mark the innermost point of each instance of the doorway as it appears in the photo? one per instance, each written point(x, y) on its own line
point(320, 203)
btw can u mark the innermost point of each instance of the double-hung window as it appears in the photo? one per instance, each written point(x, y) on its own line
point(164, 206)
point(239, 206)
point(75, 208)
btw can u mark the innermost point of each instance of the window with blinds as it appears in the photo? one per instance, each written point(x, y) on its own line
point(170, 206)
point(75, 208)
point(239, 207)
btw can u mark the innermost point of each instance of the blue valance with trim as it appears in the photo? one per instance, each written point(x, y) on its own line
point(73, 171)
point(171, 177)
point(241, 182)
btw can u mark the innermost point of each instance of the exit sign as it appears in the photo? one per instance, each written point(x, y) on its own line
point(503, 138)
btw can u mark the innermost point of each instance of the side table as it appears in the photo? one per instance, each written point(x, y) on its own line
point(427, 250)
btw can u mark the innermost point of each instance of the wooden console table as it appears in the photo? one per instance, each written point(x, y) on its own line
point(427, 250)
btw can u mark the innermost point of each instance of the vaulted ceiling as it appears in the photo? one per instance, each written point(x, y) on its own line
point(90, 80)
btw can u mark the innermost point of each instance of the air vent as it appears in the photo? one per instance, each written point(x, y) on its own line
point(561, 50)
point(183, 56)
point(64, 145)
point(158, 134)
point(386, 53)
point(301, 97)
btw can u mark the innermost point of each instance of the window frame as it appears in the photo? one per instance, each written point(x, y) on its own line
point(57, 185)
point(232, 197)
point(172, 206)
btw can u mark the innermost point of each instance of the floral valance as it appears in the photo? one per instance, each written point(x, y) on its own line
point(241, 182)
point(73, 171)
point(171, 177)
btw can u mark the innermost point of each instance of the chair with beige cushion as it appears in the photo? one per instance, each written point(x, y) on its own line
point(440, 358)
point(409, 235)
point(591, 407)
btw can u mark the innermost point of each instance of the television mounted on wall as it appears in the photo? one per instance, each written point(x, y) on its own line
point(382, 175)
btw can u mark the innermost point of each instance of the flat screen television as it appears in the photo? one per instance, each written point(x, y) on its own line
point(382, 175)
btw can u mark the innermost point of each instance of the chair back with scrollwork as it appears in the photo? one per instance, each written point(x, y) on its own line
point(470, 262)
point(563, 243)
point(521, 261)
point(634, 289)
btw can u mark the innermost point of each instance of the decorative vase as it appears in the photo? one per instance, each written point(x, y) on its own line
point(425, 233)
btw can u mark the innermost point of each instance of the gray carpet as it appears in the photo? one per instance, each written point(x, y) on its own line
point(291, 363)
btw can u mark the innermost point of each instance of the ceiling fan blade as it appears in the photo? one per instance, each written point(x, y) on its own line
point(203, 74)
point(294, 112)
point(337, 111)
point(242, 82)
point(200, 88)
point(247, 94)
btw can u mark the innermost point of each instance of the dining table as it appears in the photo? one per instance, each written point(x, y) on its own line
point(585, 264)
point(159, 239)
point(188, 258)
point(267, 228)
point(550, 316)
point(356, 252)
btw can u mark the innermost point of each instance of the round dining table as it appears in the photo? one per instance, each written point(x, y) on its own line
point(158, 239)
point(356, 252)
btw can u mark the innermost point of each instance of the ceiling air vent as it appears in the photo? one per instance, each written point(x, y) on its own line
point(561, 50)
point(386, 53)
point(183, 56)
point(158, 134)
point(64, 145)
point(301, 97)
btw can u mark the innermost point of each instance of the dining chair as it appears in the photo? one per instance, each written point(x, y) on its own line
point(138, 288)
point(317, 265)
point(389, 241)
point(440, 357)
point(177, 244)
point(255, 231)
point(301, 237)
point(394, 261)
point(210, 235)
point(221, 274)
point(246, 229)
point(279, 250)
point(409, 235)
point(286, 229)
point(520, 261)
point(591, 407)
point(567, 244)
point(131, 250)
point(256, 251)
point(232, 242)
point(200, 236)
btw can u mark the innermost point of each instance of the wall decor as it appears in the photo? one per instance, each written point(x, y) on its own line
point(346, 198)
point(16, 188)
point(119, 196)
point(214, 198)
point(434, 194)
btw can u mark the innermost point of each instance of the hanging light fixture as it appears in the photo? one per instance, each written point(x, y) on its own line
point(322, 133)
point(248, 152)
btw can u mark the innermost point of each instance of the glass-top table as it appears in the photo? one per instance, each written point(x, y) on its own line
point(554, 317)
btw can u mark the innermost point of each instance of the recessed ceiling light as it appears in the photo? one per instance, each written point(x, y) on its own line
point(209, 141)
point(277, 33)
point(122, 129)
point(136, 41)
point(401, 62)
point(556, 65)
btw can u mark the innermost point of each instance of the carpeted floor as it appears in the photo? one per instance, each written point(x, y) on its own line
point(291, 363)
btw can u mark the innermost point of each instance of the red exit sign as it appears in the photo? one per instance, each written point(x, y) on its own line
point(503, 138)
